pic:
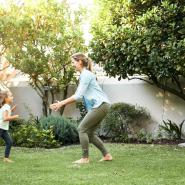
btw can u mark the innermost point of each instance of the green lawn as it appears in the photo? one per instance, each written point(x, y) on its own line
point(132, 165)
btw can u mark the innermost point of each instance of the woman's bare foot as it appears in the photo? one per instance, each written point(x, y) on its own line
point(82, 161)
point(107, 157)
point(7, 160)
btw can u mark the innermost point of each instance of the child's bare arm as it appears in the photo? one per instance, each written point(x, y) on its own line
point(7, 117)
point(13, 108)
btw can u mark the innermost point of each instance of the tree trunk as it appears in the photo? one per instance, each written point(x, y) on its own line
point(64, 97)
point(45, 103)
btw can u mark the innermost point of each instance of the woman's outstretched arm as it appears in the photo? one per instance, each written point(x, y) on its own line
point(56, 106)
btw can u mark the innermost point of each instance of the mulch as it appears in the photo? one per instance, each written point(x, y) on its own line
point(158, 141)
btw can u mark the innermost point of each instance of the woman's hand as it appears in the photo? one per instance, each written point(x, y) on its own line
point(56, 106)
point(59, 104)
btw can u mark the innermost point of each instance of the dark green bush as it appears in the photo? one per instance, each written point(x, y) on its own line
point(27, 134)
point(13, 125)
point(121, 116)
point(171, 129)
point(144, 136)
point(17, 122)
point(1, 142)
point(65, 130)
point(82, 109)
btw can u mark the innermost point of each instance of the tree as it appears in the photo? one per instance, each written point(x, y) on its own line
point(39, 41)
point(144, 37)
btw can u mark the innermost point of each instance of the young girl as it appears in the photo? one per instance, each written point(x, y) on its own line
point(6, 99)
point(97, 105)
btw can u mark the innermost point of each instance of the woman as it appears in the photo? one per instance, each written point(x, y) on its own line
point(96, 103)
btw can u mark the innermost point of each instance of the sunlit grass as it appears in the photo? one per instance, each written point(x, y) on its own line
point(132, 165)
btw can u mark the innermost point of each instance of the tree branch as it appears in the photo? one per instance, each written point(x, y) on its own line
point(38, 89)
point(163, 86)
point(178, 83)
point(167, 88)
point(138, 78)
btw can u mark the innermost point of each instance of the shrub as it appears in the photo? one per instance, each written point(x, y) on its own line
point(13, 125)
point(82, 109)
point(144, 136)
point(121, 116)
point(172, 130)
point(28, 134)
point(65, 130)
point(18, 122)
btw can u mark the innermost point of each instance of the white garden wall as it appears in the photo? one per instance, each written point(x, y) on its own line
point(161, 105)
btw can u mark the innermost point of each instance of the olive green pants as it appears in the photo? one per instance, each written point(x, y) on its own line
point(87, 129)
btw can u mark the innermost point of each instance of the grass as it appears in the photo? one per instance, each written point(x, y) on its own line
point(132, 165)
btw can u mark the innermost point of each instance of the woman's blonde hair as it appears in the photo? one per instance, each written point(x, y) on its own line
point(86, 61)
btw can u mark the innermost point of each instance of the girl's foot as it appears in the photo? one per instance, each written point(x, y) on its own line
point(82, 161)
point(107, 157)
point(8, 160)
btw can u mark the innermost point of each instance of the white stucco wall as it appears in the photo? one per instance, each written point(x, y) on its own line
point(160, 104)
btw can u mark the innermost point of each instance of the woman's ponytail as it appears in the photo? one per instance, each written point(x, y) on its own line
point(89, 64)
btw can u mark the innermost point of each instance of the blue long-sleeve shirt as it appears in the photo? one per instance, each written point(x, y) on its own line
point(89, 91)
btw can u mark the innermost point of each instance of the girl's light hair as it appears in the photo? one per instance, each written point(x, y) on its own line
point(3, 95)
point(86, 61)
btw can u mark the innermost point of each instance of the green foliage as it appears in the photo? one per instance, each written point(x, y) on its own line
point(144, 37)
point(144, 136)
point(82, 110)
point(65, 130)
point(27, 134)
point(17, 122)
point(39, 41)
point(48, 132)
point(172, 130)
point(121, 116)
